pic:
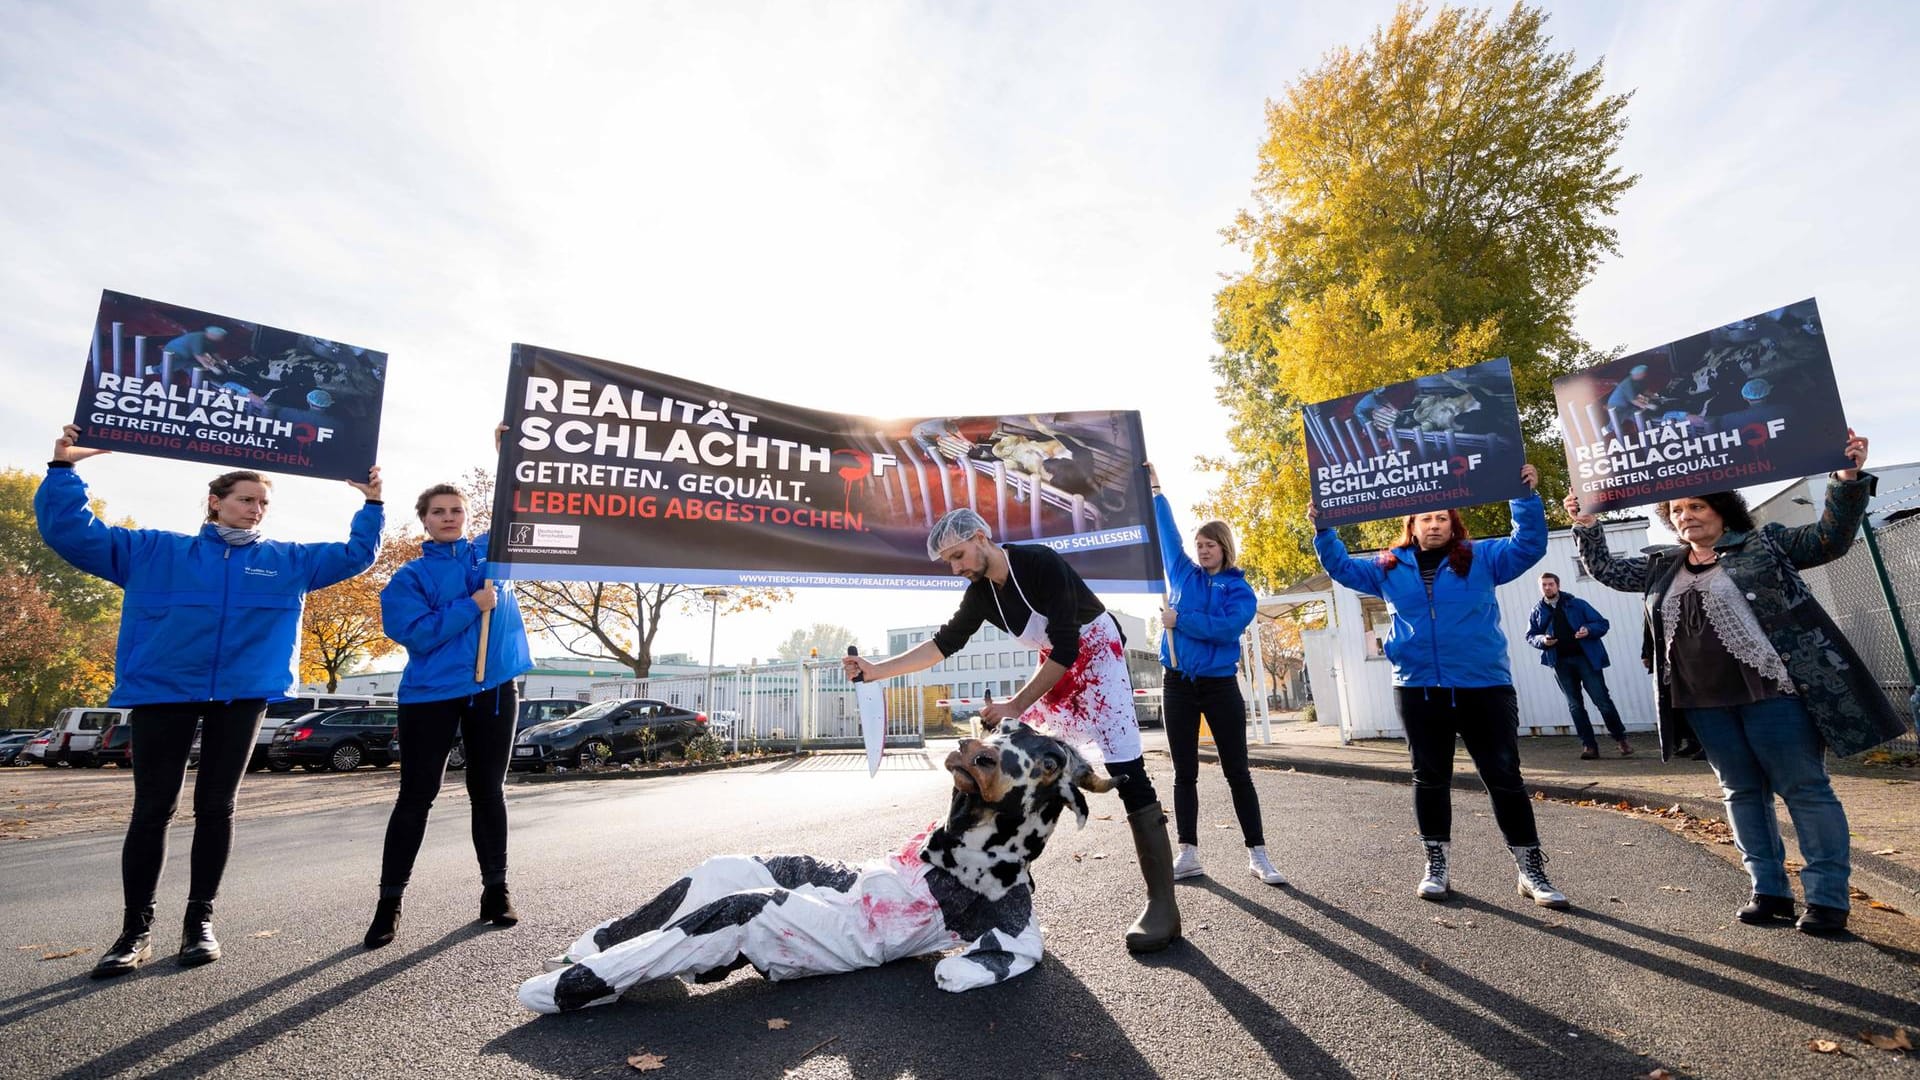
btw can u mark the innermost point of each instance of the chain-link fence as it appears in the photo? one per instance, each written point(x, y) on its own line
point(1851, 590)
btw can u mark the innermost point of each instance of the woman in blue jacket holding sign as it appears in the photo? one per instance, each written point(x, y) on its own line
point(1209, 605)
point(209, 633)
point(435, 607)
point(1450, 673)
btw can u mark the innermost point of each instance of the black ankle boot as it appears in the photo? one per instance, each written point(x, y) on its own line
point(386, 920)
point(132, 948)
point(1822, 920)
point(496, 906)
point(197, 943)
point(1764, 909)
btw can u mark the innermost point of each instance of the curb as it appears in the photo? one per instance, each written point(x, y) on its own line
point(1884, 877)
point(573, 775)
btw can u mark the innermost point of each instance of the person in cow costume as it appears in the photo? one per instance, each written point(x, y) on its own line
point(1080, 693)
point(962, 883)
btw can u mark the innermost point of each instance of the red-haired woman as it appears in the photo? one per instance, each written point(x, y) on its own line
point(1450, 673)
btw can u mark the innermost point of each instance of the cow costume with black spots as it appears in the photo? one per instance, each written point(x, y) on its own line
point(963, 882)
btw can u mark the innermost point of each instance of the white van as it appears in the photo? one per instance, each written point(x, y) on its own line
point(75, 737)
point(279, 712)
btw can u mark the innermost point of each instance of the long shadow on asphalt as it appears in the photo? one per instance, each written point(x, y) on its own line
point(53, 995)
point(1524, 1055)
point(1880, 1008)
point(1294, 1053)
point(881, 1022)
point(145, 1047)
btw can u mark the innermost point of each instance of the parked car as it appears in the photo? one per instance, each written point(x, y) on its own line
point(341, 740)
point(74, 737)
point(11, 745)
point(116, 746)
point(528, 714)
point(294, 708)
point(610, 731)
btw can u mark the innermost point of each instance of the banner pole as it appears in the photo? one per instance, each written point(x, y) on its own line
point(480, 659)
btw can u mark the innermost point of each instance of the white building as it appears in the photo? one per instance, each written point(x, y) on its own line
point(1353, 682)
point(996, 664)
point(553, 677)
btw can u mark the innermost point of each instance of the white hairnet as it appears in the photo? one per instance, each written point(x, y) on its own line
point(953, 527)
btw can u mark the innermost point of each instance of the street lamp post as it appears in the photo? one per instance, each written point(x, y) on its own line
point(713, 598)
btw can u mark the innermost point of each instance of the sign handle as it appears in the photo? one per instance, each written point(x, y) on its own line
point(480, 659)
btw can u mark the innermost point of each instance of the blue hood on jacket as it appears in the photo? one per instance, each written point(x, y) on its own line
point(428, 608)
point(201, 620)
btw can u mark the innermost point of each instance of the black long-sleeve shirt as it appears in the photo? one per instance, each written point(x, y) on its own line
point(1055, 589)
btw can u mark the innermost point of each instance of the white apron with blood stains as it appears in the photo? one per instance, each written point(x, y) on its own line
point(1092, 704)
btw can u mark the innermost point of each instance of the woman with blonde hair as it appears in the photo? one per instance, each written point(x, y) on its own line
point(1209, 605)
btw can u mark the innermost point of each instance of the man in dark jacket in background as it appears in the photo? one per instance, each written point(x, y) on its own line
point(1567, 631)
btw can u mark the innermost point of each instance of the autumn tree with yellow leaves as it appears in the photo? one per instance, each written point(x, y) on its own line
point(1432, 199)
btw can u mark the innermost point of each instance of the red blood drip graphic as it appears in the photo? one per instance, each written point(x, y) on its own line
point(861, 468)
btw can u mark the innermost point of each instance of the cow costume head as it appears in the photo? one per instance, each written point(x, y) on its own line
point(1009, 791)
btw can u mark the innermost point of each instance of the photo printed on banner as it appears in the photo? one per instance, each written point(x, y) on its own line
point(609, 472)
point(176, 382)
point(1430, 443)
point(1747, 403)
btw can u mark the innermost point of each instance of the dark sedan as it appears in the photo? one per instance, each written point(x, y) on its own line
point(338, 739)
point(116, 746)
point(11, 745)
point(611, 732)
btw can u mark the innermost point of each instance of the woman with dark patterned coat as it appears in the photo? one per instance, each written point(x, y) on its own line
point(1745, 655)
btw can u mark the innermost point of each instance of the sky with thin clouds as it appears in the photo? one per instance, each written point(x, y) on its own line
point(890, 209)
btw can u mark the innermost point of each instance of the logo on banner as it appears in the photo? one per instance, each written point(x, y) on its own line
point(530, 536)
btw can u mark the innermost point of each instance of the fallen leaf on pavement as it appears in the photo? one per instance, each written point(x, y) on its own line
point(1881, 905)
point(777, 1023)
point(1099, 855)
point(1888, 851)
point(1674, 888)
point(1615, 900)
point(1443, 922)
point(1659, 1074)
point(1103, 817)
point(1426, 966)
point(1826, 1046)
point(1624, 843)
point(63, 955)
point(1896, 1041)
point(647, 1062)
point(265, 933)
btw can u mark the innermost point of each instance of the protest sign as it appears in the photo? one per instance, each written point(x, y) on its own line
point(1741, 404)
point(175, 382)
point(1430, 443)
point(611, 473)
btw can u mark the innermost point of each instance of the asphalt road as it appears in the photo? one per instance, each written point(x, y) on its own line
point(1345, 974)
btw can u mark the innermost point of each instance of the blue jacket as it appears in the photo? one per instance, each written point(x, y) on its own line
point(1579, 614)
point(1214, 609)
point(428, 608)
point(202, 620)
point(1453, 639)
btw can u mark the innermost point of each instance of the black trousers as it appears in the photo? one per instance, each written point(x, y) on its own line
point(162, 739)
point(427, 730)
point(1487, 720)
point(1135, 786)
point(1185, 698)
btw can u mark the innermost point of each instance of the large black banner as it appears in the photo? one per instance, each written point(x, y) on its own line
point(611, 473)
point(176, 382)
point(1741, 404)
point(1430, 443)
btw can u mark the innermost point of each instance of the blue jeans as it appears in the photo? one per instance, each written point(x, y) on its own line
point(1576, 673)
point(1772, 748)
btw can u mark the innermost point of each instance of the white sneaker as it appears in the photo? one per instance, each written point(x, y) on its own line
point(1434, 886)
point(1533, 883)
point(1262, 867)
point(557, 963)
point(1187, 863)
